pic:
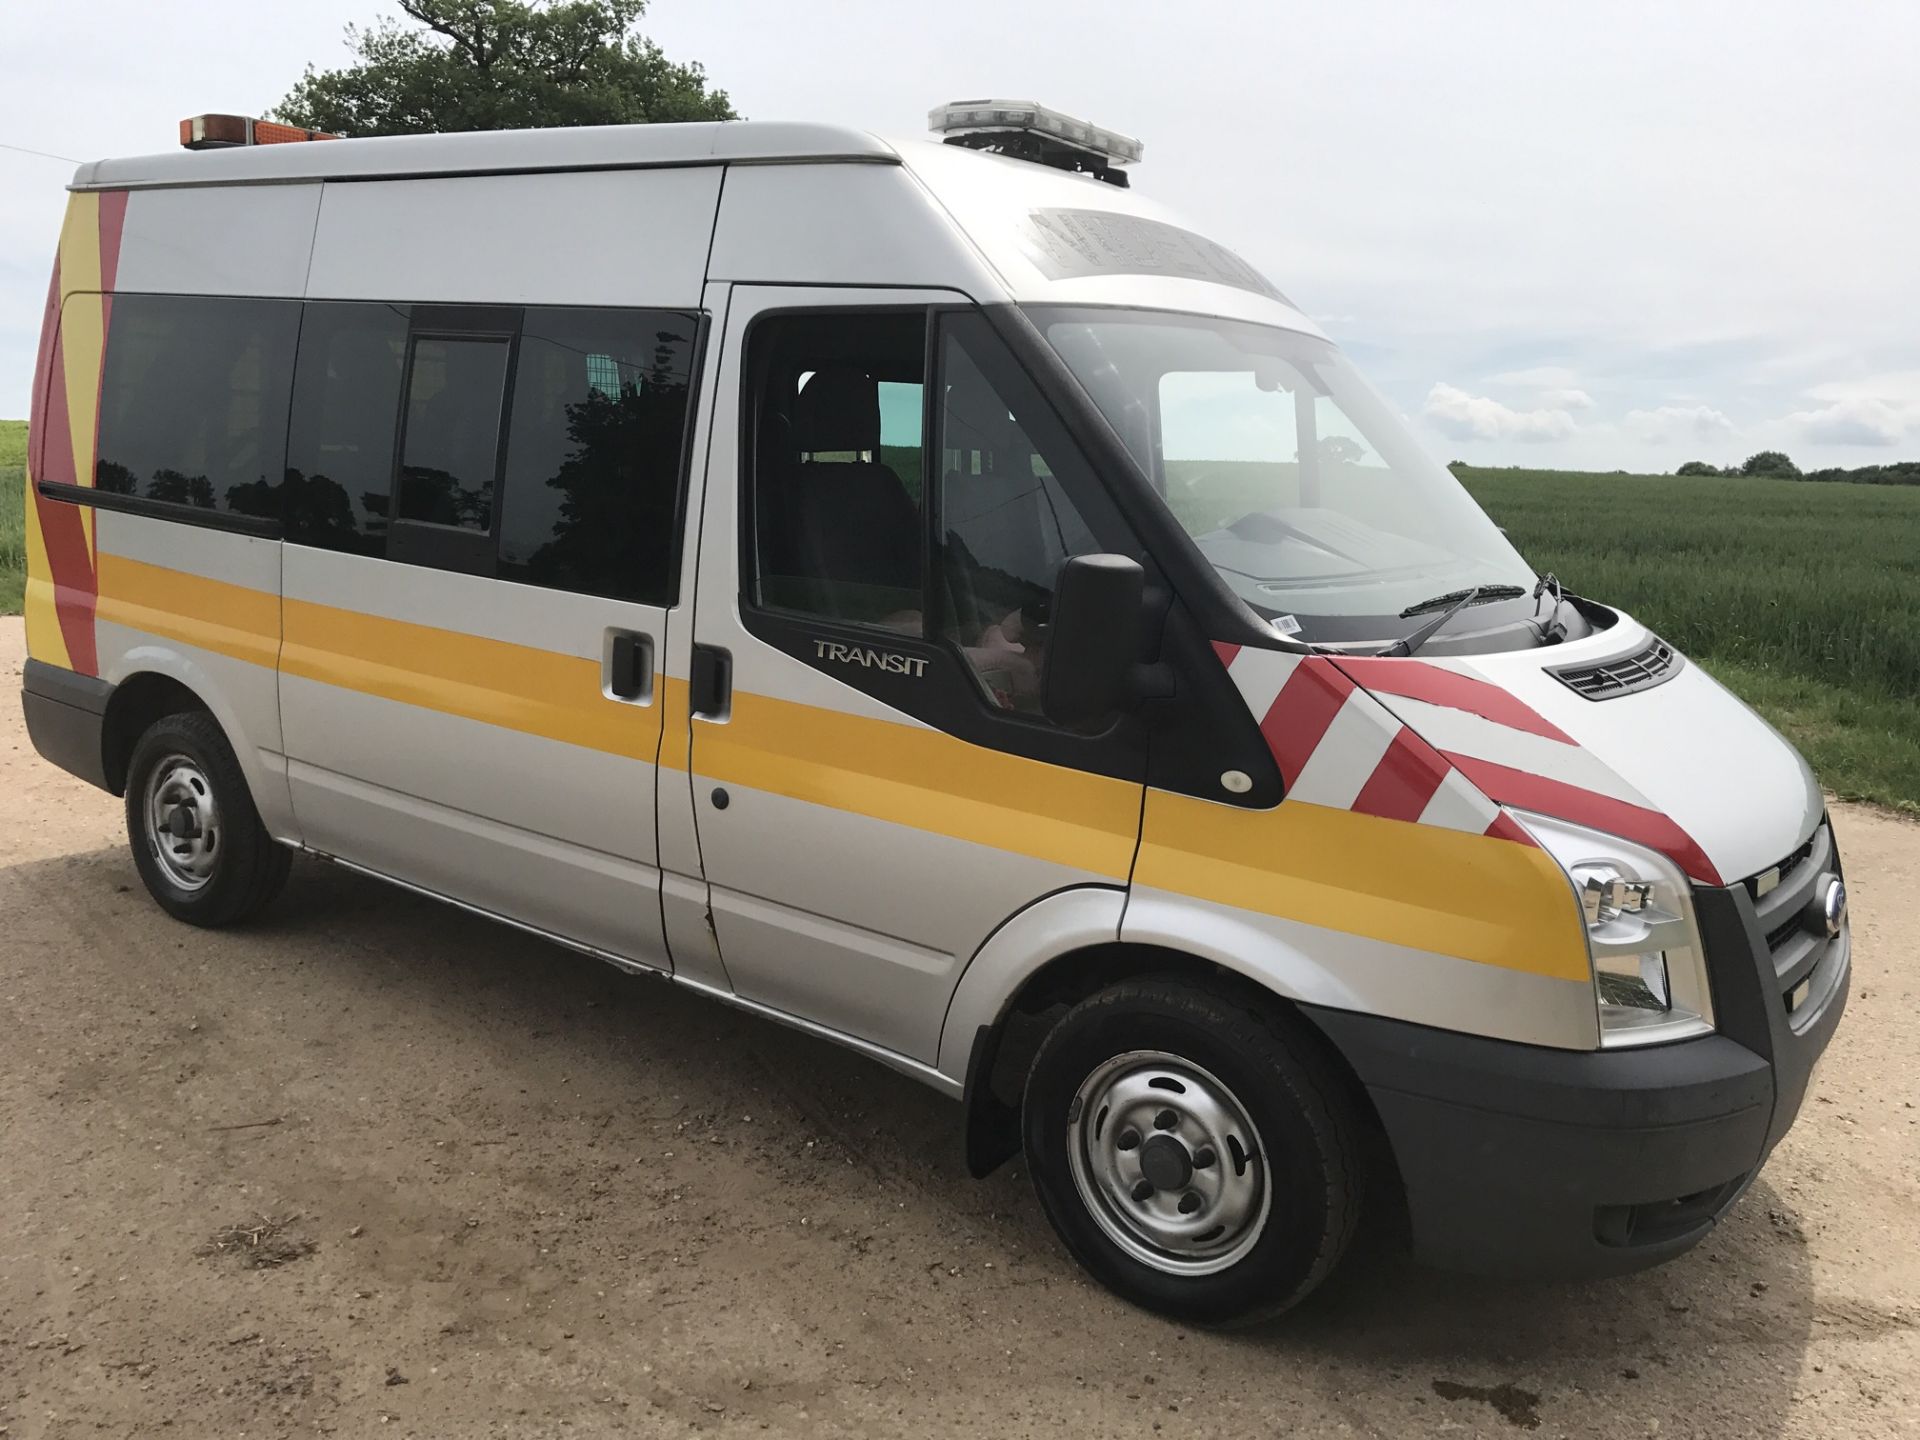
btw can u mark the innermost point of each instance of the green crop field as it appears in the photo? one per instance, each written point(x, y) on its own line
point(13, 519)
point(1803, 598)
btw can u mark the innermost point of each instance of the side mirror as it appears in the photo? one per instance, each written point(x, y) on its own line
point(1094, 642)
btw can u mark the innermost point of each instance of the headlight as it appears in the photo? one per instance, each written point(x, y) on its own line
point(1649, 971)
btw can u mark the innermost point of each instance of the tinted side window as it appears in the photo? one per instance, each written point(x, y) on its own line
point(194, 400)
point(838, 483)
point(346, 406)
point(451, 451)
point(592, 487)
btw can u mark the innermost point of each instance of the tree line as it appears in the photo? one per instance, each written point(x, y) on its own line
point(1775, 464)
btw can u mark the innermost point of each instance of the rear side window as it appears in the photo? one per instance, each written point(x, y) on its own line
point(346, 407)
point(194, 399)
point(594, 451)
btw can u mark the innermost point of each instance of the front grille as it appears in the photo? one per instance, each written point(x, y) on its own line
point(1761, 885)
point(1804, 958)
point(1654, 664)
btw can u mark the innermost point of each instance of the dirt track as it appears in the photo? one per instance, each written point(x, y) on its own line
point(546, 1199)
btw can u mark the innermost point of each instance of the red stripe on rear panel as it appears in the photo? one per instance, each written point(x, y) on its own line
point(1418, 680)
point(69, 559)
point(1404, 780)
point(1301, 713)
point(113, 218)
point(1585, 807)
point(1225, 651)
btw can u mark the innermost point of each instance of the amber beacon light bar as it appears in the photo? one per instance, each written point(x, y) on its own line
point(216, 132)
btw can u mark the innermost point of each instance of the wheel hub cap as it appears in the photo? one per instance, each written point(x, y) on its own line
point(183, 830)
point(1168, 1163)
point(1165, 1163)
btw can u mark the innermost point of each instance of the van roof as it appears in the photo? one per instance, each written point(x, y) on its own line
point(598, 147)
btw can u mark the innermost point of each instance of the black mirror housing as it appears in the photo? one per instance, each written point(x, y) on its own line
point(1094, 643)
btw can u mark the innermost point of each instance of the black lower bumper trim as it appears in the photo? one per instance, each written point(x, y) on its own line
point(1520, 1160)
point(65, 715)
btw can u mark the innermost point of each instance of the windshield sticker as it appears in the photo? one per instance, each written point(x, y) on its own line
point(1285, 624)
point(1069, 244)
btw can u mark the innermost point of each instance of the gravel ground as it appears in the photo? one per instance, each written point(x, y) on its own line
point(375, 1167)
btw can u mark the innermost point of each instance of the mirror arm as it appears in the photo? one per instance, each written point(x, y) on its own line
point(1153, 681)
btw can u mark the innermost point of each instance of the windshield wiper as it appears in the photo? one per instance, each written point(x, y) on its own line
point(1455, 601)
point(1477, 592)
point(1550, 627)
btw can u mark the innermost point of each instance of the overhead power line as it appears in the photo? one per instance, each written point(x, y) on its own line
point(43, 154)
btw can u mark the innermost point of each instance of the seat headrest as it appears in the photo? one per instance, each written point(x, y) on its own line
point(838, 409)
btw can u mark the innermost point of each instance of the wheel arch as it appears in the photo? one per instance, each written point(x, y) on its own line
point(1052, 955)
point(152, 680)
point(137, 703)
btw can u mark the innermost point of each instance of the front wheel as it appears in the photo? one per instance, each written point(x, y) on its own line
point(1197, 1150)
point(197, 839)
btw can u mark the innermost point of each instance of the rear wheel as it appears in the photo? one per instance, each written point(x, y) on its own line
point(197, 839)
point(1197, 1150)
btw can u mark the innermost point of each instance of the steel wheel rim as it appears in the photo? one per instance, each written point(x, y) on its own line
point(183, 829)
point(1168, 1163)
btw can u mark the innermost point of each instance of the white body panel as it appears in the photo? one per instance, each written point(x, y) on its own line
point(857, 923)
point(1320, 966)
point(551, 832)
point(218, 242)
point(867, 225)
point(1686, 748)
point(146, 638)
point(580, 239)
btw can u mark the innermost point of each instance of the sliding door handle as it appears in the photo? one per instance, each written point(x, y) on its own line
point(710, 688)
point(628, 666)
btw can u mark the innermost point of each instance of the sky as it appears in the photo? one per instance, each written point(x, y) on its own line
point(1596, 235)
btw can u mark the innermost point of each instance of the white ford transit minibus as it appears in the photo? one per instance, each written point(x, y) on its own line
point(927, 595)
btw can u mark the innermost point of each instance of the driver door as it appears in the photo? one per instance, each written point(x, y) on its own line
point(873, 787)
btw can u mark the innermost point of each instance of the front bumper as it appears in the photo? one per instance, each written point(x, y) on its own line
point(1520, 1160)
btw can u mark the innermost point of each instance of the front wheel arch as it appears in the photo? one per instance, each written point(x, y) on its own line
point(1000, 1052)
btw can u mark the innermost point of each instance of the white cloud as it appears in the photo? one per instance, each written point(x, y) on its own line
point(1862, 420)
point(1539, 377)
point(1678, 422)
point(1461, 416)
point(1568, 399)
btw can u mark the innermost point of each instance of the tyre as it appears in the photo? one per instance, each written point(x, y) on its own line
point(197, 839)
point(1198, 1151)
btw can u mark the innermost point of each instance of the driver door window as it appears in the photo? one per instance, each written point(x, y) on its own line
point(857, 522)
point(1006, 526)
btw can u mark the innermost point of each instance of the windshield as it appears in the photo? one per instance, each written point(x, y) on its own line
point(1297, 481)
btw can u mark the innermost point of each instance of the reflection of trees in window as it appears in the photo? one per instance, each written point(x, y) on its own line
point(173, 488)
point(115, 479)
point(619, 481)
point(436, 497)
point(314, 511)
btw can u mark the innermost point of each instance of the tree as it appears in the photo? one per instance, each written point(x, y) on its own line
point(501, 65)
point(1698, 467)
point(1771, 462)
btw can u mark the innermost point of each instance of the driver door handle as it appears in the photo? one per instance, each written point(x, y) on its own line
point(710, 688)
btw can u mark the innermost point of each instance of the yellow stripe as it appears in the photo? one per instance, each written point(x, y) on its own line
point(233, 620)
point(44, 640)
point(495, 682)
point(82, 335)
point(1422, 886)
point(924, 779)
